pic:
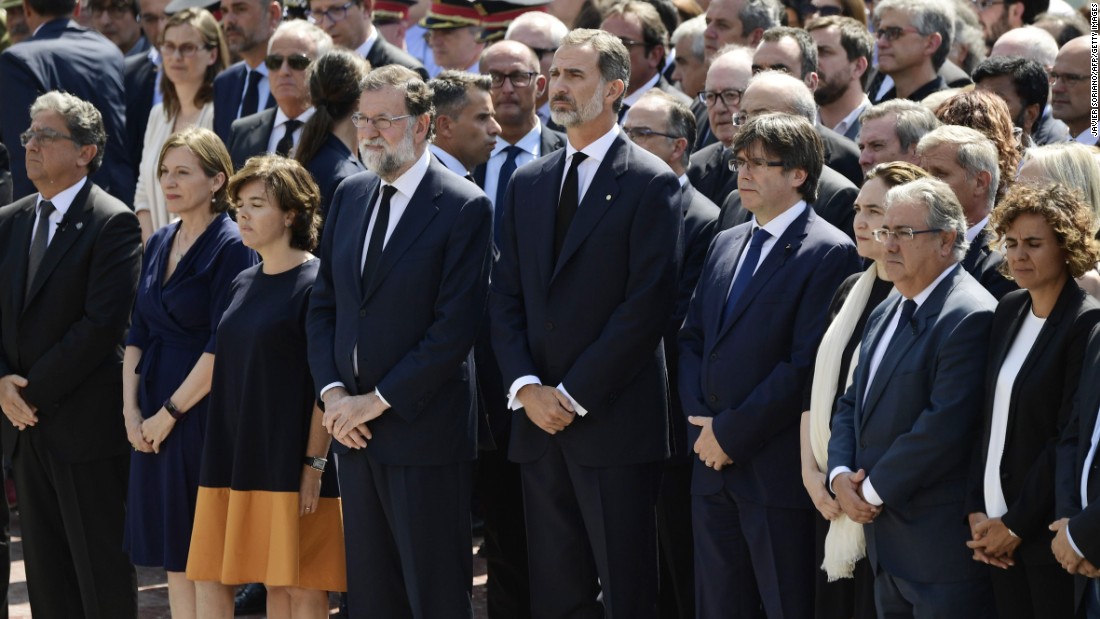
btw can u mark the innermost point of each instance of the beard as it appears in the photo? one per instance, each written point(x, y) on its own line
point(582, 113)
point(388, 161)
point(828, 92)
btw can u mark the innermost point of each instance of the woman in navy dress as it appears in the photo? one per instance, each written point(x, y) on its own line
point(185, 281)
point(329, 143)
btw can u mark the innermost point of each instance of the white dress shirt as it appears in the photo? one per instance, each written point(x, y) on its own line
point(869, 493)
point(531, 147)
point(61, 203)
point(279, 130)
point(973, 231)
point(586, 170)
point(263, 88)
point(406, 185)
point(776, 227)
point(364, 49)
point(451, 163)
point(1086, 137)
point(843, 126)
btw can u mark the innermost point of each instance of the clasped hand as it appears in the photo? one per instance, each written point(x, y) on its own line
point(18, 411)
point(546, 407)
point(710, 451)
point(991, 541)
point(849, 493)
point(346, 417)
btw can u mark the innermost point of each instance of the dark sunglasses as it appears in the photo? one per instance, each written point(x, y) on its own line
point(298, 62)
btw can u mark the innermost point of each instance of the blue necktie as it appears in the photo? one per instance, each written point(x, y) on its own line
point(744, 276)
point(908, 308)
point(506, 170)
point(251, 102)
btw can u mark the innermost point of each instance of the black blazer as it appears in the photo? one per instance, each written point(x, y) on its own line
point(64, 55)
point(228, 92)
point(984, 264)
point(416, 323)
point(835, 197)
point(619, 263)
point(383, 53)
point(709, 172)
point(841, 154)
point(330, 166)
point(66, 336)
point(140, 82)
point(250, 135)
point(1038, 411)
point(1049, 130)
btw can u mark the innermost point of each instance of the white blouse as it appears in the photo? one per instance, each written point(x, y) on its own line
point(149, 196)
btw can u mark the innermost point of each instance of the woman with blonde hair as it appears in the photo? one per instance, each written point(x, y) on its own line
point(193, 52)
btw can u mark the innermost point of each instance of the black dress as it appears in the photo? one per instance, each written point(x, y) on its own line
point(247, 527)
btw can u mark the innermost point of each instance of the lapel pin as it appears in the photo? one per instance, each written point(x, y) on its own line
point(80, 225)
point(608, 198)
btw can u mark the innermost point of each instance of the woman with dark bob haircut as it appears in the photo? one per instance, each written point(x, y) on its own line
point(1036, 350)
point(186, 276)
point(269, 506)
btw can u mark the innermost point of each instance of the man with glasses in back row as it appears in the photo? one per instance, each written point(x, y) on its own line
point(293, 47)
point(913, 38)
point(348, 22)
point(708, 169)
point(1069, 90)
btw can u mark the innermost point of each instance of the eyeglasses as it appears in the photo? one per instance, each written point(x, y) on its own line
point(729, 97)
point(380, 123)
point(334, 14)
point(985, 4)
point(45, 137)
point(1071, 79)
point(893, 33)
point(640, 133)
point(752, 165)
point(117, 11)
point(298, 62)
point(186, 50)
point(630, 42)
point(519, 79)
point(901, 235)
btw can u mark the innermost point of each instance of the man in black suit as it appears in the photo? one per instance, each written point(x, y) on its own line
point(62, 55)
point(71, 255)
point(580, 297)
point(709, 170)
point(639, 26)
point(763, 294)
point(967, 161)
point(350, 27)
point(465, 130)
point(891, 130)
point(392, 320)
point(244, 88)
point(665, 127)
point(773, 91)
point(277, 130)
point(523, 138)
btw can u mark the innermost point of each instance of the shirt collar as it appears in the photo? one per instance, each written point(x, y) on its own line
point(596, 150)
point(927, 292)
point(973, 231)
point(281, 117)
point(452, 163)
point(64, 198)
point(843, 126)
point(154, 56)
point(407, 183)
point(530, 143)
point(637, 94)
point(364, 49)
point(1086, 137)
point(776, 227)
point(683, 180)
point(261, 69)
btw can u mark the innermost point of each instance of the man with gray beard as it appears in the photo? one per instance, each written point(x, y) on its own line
point(392, 321)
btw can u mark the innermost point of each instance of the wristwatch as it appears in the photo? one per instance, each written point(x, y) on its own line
point(317, 463)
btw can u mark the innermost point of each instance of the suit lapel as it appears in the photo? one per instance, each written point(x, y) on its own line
point(601, 194)
point(22, 228)
point(723, 278)
point(420, 211)
point(368, 199)
point(535, 219)
point(70, 228)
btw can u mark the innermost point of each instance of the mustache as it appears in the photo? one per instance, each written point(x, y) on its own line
point(564, 98)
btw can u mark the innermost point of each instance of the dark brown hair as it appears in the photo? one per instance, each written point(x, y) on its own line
point(290, 186)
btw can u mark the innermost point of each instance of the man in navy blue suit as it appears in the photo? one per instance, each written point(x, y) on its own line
point(904, 432)
point(62, 55)
point(244, 89)
point(746, 349)
point(392, 322)
point(581, 294)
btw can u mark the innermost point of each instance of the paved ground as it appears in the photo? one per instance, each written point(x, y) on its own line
point(153, 588)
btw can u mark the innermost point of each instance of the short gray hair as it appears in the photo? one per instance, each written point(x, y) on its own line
point(301, 27)
point(927, 17)
point(944, 211)
point(799, 99)
point(976, 153)
point(692, 30)
point(82, 119)
point(761, 14)
point(680, 120)
point(613, 57)
point(545, 22)
point(418, 95)
point(913, 119)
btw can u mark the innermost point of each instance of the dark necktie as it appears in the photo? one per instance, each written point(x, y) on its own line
point(287, 141)
point(377, 237)
point(908, 307)
point(39, 243)
point(622, 112)
point(744, 275)
point(567, 204)
point(506, 170)
point(251, 102)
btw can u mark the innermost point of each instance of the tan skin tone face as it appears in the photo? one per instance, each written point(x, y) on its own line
point(690, 72)
point(349, 32)
point(247, 24)
point(910, 50)
point(1034, 257)
point(723, 25)
point(766, 191)
point(575, 82)
point(971, 190)
point(512, 105)
point(643, 66)
point(725, 75)
point(186, 186)
point(870, 213)
point(264, 226)
point(290, 87)
point(181, 69)
point(1070, 102)
point(152, 18)
point(455, 48)
point(55, 164)
point(914, 264)
point(118, 23)
point(647, 114)
point(471, 135)
point(878, 143)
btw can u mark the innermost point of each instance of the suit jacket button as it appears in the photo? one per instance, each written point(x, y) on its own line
point(549, 326)
point(713, 356)
point(712, 398)
point(362, 313)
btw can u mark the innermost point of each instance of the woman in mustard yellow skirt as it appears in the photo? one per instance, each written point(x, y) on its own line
point(268, 507)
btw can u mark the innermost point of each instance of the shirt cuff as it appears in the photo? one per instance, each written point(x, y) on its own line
point(577, 408)
point(384, 400)
point(520, 383)
point(329, 387)
point(833, 475)
point(1069, 538)
point(869, 493)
